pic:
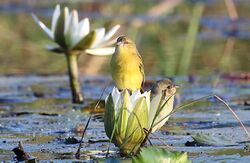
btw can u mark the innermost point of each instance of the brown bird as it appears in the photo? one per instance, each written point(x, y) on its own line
point(165, 86)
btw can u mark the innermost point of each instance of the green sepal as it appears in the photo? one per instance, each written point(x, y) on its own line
point(138, 120)
point(109, 116)
point(123, 115)
point(55, 49)
point(59, 31)
point(85, 42)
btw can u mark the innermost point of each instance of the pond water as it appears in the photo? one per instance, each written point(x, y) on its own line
point(37, 111)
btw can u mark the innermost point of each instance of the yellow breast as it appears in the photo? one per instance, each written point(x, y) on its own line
point(126, 71)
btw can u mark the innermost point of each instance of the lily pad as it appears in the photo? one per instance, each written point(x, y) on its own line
point(201, 139)
point(153, 154)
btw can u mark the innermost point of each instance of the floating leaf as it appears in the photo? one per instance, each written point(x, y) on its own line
point(201, 139)
point(153, 154)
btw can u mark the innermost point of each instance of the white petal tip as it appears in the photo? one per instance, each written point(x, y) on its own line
point(101, 51)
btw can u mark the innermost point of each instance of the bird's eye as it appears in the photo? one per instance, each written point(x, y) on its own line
point(121, 39)
point(169, 87)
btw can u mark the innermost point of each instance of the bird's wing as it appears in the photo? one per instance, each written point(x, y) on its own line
point(142, 70)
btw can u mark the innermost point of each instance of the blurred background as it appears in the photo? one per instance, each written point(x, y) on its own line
point(174, 37)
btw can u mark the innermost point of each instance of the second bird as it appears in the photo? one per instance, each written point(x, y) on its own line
point(126, 65)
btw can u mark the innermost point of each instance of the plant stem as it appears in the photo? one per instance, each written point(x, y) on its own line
point(190, 39)
point(77, 96)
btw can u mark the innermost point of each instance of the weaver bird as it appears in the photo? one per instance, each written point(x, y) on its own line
point(163, 94)
point(126, 65)
point(165, 86)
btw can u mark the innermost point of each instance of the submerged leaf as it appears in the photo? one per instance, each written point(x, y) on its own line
point(153, 154)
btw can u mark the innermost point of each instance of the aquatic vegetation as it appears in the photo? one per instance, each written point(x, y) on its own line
point(193, 29)
point(201, 139)
point(153, 154)
point(129, 119)
point(75, 37)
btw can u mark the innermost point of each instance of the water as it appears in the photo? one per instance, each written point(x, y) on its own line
point(160, 40)
point(37, 111)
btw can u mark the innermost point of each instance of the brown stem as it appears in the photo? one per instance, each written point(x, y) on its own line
point(77, 96)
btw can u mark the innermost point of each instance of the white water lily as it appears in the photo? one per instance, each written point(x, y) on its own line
point(126, 116)
point(74, 37)
point(71, 34)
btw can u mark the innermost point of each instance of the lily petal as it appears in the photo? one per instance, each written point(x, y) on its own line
point(99, 37)
point(55, 17)
point(74, 31)
point(147, 96)
point(43, 27)
point(154, 105)
point(109, 42)
point(101, 51)
point(111, 32)
point(116, 96)
point(82, 30)
point(126, 101)
point(166, 110)
point(59, 31)
point(71, 26)
point(83, 27)
point(85, 42)
point(67, 19)
point(136, 95)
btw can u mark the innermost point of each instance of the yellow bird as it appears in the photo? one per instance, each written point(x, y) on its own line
point(126, 65)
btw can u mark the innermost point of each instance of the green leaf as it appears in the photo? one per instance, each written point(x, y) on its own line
point(210, 140)
point(59, 31)
point(109, 116)
point(85, 42)
point(153, 154)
